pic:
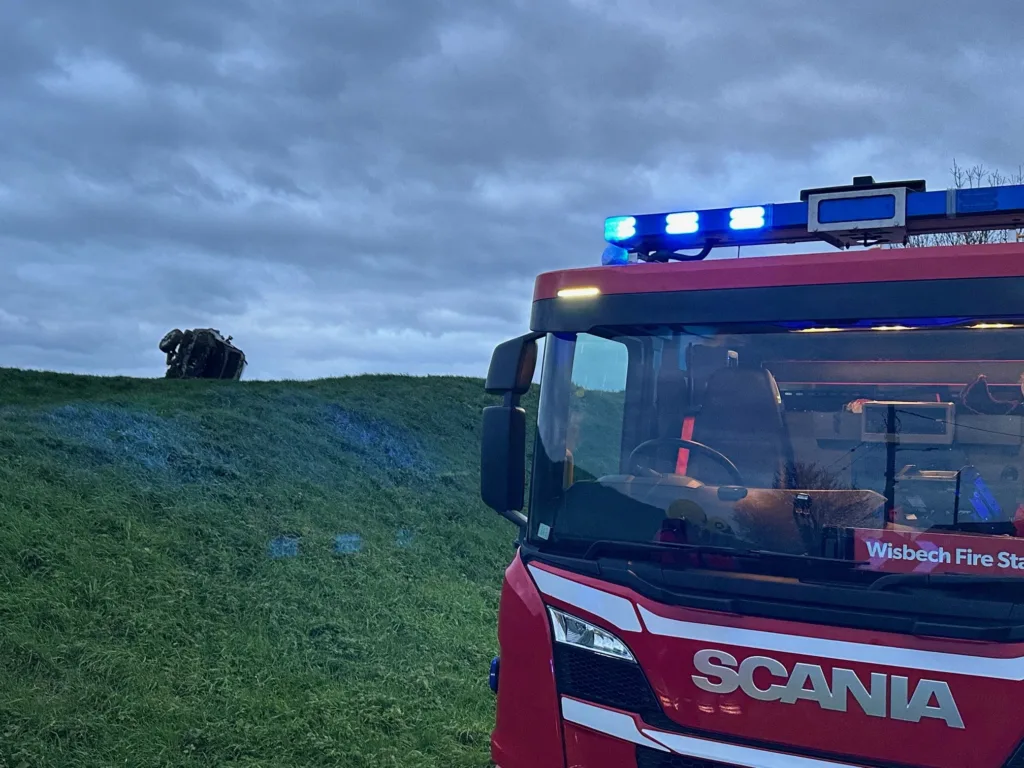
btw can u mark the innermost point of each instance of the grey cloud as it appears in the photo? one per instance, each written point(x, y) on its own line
point(373, 186)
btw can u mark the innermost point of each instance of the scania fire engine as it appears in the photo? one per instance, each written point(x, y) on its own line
point(775, 508)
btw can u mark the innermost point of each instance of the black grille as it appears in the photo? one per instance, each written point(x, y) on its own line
point(652, 758)
point(603, 680)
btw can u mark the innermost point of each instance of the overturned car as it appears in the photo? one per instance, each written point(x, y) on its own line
point(202, 353)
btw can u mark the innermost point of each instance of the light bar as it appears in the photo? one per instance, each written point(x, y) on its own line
point(682, 223)
point(863, 214)
point(619, 228)
point(747, 218)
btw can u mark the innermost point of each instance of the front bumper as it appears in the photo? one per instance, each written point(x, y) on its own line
point(601, 737)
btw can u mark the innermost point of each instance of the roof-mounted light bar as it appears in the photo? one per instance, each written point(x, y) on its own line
point(865, 213)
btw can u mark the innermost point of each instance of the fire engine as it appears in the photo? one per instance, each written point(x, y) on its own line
point(773, 514)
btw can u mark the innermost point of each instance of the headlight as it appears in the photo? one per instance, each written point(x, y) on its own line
point(582, 634)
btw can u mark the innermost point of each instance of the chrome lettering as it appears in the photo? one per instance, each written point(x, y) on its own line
point(886, 697)
point(704, 661)
point(746, 676)
point(846, 682)
point(803, 674)
point(920, 703)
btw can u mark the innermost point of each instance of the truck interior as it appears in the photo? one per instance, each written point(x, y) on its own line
point(778, 439)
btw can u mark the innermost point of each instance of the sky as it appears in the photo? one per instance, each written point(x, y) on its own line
point(371, 187)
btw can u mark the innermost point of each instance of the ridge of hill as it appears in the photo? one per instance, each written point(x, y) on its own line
point(198, 573)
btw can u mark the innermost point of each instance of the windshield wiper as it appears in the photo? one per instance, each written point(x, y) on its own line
point(603, 546)
point(806, 563)
point(956, 580)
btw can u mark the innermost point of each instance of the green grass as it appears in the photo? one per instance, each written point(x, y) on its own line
point(144, 623)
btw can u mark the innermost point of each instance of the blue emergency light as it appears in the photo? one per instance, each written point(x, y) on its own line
point(863, 214)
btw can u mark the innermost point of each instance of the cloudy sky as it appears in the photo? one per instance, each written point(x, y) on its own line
point(367, 186)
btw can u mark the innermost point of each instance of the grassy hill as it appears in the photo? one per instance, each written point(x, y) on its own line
point(254, 573)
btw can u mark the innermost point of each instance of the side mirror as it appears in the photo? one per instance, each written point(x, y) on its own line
point(503, 461)
point(503, 448)
point(512, 365)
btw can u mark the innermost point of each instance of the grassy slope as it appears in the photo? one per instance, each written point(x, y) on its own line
point(143, 622)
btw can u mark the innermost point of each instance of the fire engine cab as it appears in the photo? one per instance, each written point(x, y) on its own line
point(775, 512)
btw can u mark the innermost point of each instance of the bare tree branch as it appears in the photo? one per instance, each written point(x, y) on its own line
point(972, 178)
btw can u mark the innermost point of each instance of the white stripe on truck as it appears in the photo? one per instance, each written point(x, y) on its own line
point(622, 614)
point(621, 726)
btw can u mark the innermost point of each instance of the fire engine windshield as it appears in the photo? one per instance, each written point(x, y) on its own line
point(892, 448)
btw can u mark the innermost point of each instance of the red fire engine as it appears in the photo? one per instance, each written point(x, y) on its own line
point(776, 513)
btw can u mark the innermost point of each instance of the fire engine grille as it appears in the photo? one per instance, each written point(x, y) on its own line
point(652, 758)
point(601, 679)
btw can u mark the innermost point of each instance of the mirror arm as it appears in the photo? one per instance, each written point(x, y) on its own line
point(517, 518)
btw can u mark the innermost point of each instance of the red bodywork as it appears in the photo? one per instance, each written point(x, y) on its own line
point(529, 729)
point(538, 728)
point(982, 678)
point(873, 266)
point(777, 729)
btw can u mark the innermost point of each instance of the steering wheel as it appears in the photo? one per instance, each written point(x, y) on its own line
point(679, 442)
